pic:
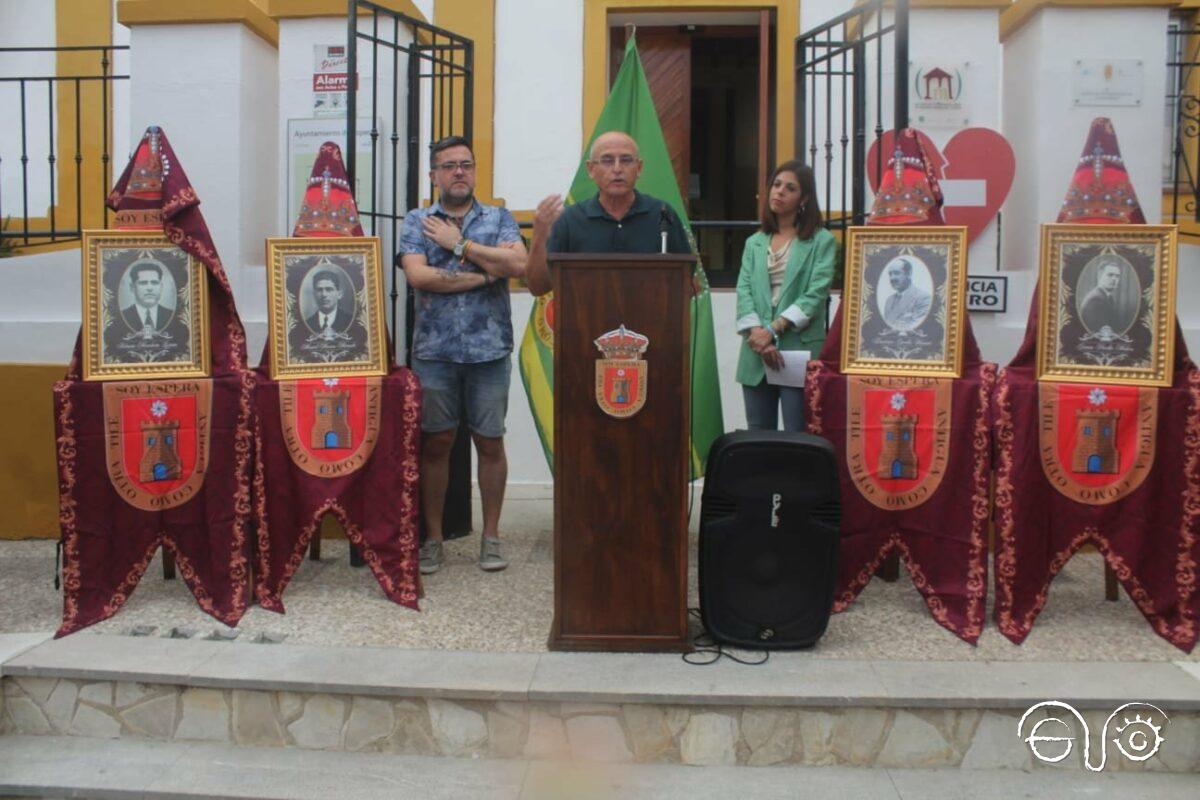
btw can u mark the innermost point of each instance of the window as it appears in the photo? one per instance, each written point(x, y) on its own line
point(1107, 431)
point(907, 435)
point(170, 439)
point(150, 441)
point(889, 436)
point(323, 409)
point(1087, 430)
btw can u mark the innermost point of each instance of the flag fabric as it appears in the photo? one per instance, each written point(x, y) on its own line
point(630, 109)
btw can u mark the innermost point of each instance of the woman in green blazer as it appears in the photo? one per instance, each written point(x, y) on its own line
point(782, 289)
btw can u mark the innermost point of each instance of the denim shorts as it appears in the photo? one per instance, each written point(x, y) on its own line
point(483, 387)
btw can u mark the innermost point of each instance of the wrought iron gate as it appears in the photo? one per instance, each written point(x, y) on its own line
point(841, 88)
point(428, 70)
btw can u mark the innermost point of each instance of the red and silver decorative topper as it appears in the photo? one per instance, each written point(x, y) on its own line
point(621, 375)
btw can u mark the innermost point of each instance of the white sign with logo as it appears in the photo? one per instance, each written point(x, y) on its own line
point(1107, 82)
point(936, 98)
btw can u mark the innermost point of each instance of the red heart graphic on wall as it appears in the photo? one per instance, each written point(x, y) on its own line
point(976, 171)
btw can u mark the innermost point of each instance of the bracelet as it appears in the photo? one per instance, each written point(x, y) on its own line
point(775, 335)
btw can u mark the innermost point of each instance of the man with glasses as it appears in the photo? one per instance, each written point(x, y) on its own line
point(618, 219)
point(458, 255)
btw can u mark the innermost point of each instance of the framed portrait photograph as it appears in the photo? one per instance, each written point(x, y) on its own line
point(326, 307)
point(145, 308)
point(1107, 310)
point(904, 300)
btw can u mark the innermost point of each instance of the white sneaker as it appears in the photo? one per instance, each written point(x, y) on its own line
point(432, 557)
point(491, 555)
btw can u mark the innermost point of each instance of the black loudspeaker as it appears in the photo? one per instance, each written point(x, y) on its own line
point(769, 527)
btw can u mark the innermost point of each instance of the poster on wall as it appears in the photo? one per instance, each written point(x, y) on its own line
point(938, 94)
point(330, 80)
point(304, 139)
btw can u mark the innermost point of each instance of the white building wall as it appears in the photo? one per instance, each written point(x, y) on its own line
point(539, 99)
point(213, 90)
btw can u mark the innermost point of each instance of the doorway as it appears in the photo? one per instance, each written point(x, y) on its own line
point(713, 88)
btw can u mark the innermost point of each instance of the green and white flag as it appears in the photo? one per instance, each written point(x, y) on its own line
point(630, 109)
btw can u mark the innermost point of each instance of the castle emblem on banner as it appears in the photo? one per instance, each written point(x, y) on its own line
point(1097, 442)
point(621, 374)
point(897, 438)
point(156, 435)
point(330, 425)
point(897, 458)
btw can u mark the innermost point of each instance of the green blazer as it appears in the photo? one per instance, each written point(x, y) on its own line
point(802, 297)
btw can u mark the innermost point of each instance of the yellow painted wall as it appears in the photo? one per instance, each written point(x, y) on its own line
point(29, 489)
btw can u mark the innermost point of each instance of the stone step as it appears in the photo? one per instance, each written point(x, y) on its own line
point(623, 709)
point(39, 766)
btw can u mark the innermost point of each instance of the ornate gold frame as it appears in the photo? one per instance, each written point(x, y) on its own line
point(1160, 373)
point(955, 236)
point(367, 246)
point(93, 331)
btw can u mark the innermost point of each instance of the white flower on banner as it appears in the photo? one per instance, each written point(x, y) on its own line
point(159, 409)
point(898, 401)
point(1097, 396)
point(331, 382)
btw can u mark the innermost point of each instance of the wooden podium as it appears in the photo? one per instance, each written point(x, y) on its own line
point(620, 484)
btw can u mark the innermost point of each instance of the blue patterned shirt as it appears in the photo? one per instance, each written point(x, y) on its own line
point(463, 327)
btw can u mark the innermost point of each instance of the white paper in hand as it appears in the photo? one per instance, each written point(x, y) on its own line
point(795, 365)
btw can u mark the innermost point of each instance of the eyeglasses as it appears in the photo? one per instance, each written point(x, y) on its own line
point(454, 166)
point(608, 162)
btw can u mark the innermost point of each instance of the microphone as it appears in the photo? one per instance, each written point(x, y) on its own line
point(664, 222)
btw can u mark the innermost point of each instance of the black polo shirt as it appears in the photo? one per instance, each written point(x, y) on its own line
point(586, 227)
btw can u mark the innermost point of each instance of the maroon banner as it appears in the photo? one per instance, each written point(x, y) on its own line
point(359, 463)
point(1116, 467)
point(914, 457)
point(343, 446)
point(121, 496)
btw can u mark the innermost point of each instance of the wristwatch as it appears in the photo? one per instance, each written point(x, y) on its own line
point(460, 247)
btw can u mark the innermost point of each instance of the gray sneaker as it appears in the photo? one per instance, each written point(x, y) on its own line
point(431, 556)
point(491, 555)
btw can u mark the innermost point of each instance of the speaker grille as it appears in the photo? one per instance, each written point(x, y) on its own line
point(715, 508)
point(829, 512)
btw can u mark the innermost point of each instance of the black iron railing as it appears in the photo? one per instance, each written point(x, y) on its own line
point(436, 67)
point(840, 91)
point(54, 98)
point(1181, 173)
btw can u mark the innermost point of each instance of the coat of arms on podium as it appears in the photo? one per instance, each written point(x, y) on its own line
point(621, 374)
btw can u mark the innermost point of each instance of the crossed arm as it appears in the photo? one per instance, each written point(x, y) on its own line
point(505, 260)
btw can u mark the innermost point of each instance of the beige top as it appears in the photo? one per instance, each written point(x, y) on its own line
point(776, 265)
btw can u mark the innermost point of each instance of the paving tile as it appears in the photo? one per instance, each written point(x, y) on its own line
point(117, 658)
point(13, 644)
point(788, 679)
point(81, 767)
point(369, 670)
point(1190, 667)
point(271, 773)
point(1016, 685)
point(1059, 784)
point(551, 780)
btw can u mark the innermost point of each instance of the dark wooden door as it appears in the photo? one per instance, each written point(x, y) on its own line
point(667, 59)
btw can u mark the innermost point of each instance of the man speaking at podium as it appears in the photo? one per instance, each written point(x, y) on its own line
point(619, 219)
